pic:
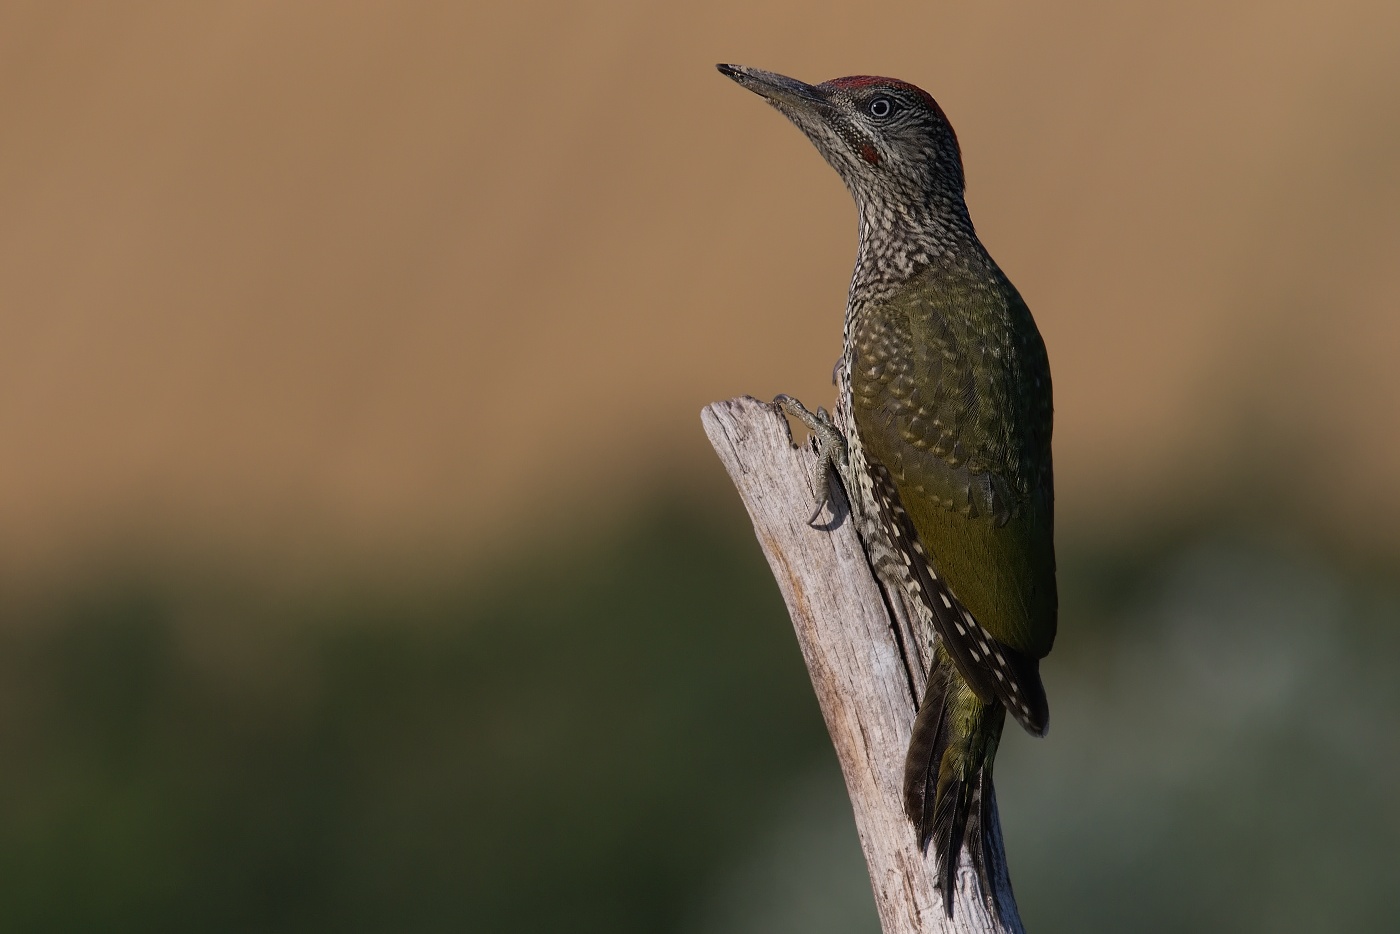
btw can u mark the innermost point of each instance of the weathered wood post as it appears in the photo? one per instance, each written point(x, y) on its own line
point(866, 660)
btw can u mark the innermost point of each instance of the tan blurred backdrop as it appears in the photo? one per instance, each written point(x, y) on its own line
point(316, 281)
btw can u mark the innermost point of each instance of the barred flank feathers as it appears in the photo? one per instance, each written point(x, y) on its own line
point(991, 668)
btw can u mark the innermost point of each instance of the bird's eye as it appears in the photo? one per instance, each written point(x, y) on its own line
point(880, 107)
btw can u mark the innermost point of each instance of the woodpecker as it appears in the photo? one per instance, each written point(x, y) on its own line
point(941, 437)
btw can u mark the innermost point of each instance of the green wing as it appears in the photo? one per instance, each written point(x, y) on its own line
point(951, 397)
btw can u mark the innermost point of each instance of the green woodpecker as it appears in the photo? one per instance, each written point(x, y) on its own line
point(941, 436)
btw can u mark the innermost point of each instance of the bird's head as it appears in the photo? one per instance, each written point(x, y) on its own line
point(889, 140)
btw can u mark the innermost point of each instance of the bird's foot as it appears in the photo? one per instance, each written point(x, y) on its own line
point(832, 453)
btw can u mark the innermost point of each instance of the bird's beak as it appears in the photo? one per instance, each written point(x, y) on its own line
point(780, 90)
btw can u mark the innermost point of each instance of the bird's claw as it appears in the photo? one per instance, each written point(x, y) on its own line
point(832, 453)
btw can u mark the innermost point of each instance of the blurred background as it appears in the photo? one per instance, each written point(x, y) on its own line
point(363, 566)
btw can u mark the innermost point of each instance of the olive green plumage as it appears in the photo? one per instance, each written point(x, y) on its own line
point(950, 401)
point(950, 392)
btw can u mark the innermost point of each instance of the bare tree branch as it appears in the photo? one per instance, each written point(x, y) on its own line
point(867, 661)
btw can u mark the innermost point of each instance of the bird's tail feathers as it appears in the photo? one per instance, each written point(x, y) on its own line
point(948, 790)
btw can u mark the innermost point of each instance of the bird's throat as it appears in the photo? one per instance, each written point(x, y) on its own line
point(898, 243)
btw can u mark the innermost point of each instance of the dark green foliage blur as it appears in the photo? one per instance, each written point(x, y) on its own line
point(618, 735)
point(577, 745)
